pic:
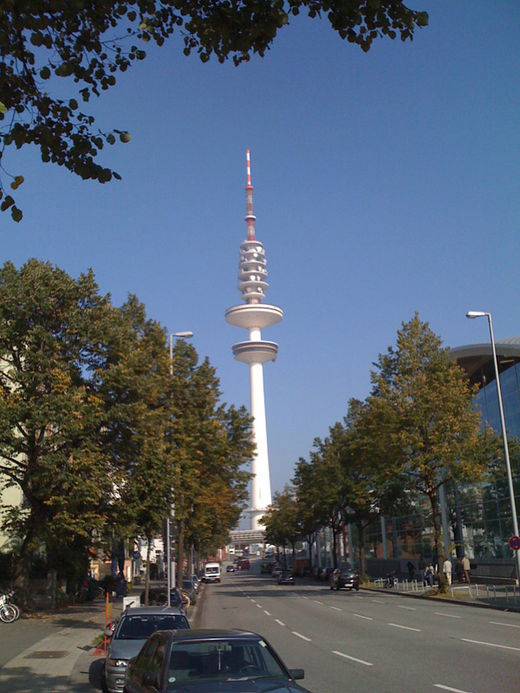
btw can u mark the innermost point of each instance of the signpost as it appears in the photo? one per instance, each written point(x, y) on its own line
point(514, 543)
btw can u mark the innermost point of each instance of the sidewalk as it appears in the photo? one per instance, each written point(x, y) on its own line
point(64, 661)
point(500, 597)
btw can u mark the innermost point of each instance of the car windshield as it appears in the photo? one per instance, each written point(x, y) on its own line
point(222, 660)
point(140, 627)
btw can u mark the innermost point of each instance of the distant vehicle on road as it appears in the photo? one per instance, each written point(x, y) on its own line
point(129, 635)
point(208, 661)
point(230, 568)
point(244, 564)
point(212, 572)
point(344, 577)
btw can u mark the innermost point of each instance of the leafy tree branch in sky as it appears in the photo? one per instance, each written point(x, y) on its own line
point(89, 42)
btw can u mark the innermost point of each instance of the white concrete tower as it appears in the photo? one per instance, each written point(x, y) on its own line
point(253, 316)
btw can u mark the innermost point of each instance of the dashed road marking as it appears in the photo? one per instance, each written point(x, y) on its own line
point(336, 608)
point(299, 635)
point(267, 613)
point(408, 608)
point(508, 625)
point(398, 625)
point(440, 613)
point(491, 644)
point(367, 618)
point(354, 659)
point(281, 623)
point(449, 688)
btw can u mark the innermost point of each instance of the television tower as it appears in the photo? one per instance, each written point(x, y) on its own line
point(254, 315)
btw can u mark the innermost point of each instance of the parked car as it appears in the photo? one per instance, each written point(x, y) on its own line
point(189, 588)
point(344, 577)
point(158, 596)
point(209, 661)
point(286, 578)
point(129, 635)
point(230, 568)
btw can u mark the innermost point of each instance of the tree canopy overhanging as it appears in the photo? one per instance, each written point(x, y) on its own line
point(90, 41)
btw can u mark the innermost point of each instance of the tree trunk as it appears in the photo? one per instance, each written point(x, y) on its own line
point(179, 553)
point(147, 571)
point(437, 539)
point(362, 561)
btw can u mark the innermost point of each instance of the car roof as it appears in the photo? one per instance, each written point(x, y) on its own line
point(150, 610)
point(214, 633)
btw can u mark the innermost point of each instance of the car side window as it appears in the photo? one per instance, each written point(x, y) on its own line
point(157, 659)
point(145, 657)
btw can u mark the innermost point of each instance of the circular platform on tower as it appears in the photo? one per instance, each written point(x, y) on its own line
point(255, 352)
point(257, 315)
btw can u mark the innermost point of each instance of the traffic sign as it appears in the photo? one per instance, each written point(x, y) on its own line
point(514, 543)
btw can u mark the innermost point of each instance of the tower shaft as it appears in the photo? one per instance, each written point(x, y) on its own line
point(254, 315)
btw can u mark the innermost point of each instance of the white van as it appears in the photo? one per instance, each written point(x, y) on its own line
point(212, 572)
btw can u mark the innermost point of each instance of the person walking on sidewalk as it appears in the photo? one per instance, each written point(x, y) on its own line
point(446, 569)
point(466, 566)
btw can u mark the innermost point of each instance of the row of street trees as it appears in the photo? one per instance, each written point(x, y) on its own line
point(416, 432)
point(101, 432)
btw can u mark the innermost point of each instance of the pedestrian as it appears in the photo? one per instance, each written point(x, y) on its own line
point(429, 574)
point(466, 567)
point(446, 569)
point(411, 570)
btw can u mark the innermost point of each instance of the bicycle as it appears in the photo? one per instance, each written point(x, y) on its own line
point(9, 612)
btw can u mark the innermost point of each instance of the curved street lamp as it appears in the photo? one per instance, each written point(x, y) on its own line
point(482, 314)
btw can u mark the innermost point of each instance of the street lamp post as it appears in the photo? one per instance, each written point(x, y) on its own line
point(169, 582)
point(482, 314)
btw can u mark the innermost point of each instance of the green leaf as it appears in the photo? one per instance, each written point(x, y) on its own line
point(16, 214)
point(3, 108)
point(8, 201)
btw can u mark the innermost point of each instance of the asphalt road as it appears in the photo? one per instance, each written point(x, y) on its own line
point(377, 642)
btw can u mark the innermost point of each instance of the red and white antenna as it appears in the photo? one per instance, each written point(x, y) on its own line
point(250, 217)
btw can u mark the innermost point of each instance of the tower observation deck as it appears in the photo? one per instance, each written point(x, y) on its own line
point(253, 315)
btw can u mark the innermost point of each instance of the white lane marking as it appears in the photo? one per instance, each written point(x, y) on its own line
point(449, 688)
point(318, 602)
point(377, 601)
point(491, 644)
point(397, 625)
point(259, 606)
point(304, 597)
point(253, 600)
point(299, 635)
point(267, 613)
point(408, 608)
point(368, 618)
point(281, 623)
point(336, 608)
point(508, 625)
point(354, 659)
point(439, 613)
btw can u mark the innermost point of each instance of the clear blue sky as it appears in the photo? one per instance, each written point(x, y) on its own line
point(384, 183)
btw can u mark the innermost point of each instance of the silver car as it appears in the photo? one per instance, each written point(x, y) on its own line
point(130, 634)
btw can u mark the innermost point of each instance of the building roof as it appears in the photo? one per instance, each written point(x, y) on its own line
point(473, 357)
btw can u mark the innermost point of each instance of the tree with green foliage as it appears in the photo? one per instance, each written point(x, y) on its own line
point(136, 390)
point(420, 423)
point(208, 445)
point(282, 522)
point(57, 336)
point(89, 42)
